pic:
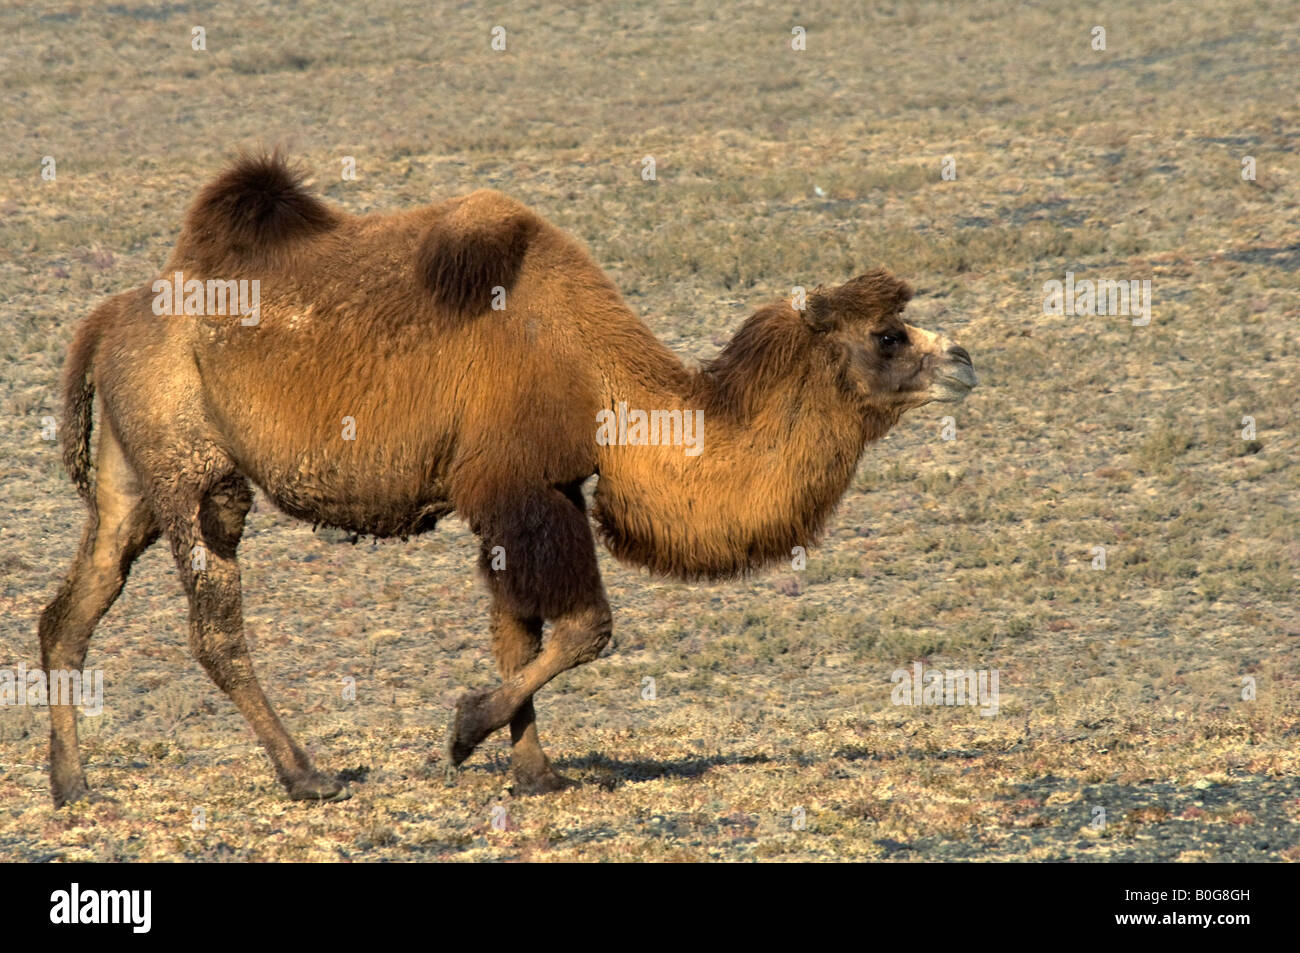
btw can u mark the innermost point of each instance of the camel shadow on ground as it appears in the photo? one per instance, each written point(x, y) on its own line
point(610, 773)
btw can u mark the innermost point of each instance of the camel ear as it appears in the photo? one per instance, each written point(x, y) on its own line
point(819, 314)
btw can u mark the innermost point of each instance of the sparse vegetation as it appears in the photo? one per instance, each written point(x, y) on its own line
point(1121, 687)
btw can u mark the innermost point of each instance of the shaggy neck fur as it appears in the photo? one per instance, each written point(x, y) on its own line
point(782, 439)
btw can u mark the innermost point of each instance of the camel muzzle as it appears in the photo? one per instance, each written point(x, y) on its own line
point(955, 378)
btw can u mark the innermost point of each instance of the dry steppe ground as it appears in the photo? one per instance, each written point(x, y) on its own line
point(1121, 689)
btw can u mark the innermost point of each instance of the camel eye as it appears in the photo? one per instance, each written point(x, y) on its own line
point(891, 340)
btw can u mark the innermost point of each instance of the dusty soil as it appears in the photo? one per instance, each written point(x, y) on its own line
point(1122, 731)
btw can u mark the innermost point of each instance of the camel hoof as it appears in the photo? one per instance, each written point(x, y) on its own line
point(541, 782)
point(319, 787)
point(470, 725)
point(80, 794)
point(70, 795)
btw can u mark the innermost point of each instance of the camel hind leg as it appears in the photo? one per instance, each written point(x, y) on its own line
point(204, 543)
point(119, 528)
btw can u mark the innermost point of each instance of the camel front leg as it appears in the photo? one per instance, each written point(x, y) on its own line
point(576, 638)
point(516, 641)
point(547, 571)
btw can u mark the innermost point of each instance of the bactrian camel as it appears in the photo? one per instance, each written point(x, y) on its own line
point(465, 357)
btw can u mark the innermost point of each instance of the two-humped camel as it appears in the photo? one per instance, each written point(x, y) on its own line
point(464, 357)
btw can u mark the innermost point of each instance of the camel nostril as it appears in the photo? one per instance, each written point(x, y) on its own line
point(960, 354)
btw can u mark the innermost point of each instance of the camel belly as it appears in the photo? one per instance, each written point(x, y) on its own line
point(376, 501)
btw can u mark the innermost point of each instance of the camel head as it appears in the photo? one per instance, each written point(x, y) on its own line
point(887, 365)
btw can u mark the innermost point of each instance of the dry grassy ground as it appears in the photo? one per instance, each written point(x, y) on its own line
point(1121, 688)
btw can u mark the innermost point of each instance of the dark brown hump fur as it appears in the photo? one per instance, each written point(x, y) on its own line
point(477, 246)
point(253, 206)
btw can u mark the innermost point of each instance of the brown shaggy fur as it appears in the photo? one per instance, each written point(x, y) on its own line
point(386, 321)
point(254, 209)
point(477, 247)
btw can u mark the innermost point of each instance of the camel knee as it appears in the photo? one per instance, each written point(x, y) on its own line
point(59, 640)
point(223, 655)
point(515, 641)
point(66, 622)
point(582, 636)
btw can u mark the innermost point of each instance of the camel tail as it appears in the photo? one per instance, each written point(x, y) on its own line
point(79, 397)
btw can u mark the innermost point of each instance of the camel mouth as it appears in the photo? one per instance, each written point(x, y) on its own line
point(954, 381)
